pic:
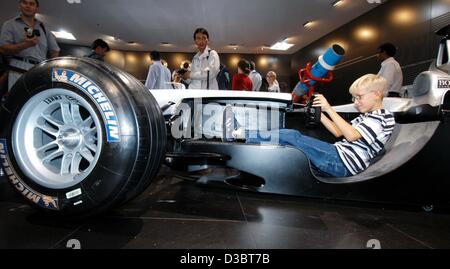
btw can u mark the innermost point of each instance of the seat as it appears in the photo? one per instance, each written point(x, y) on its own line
point(405, 142)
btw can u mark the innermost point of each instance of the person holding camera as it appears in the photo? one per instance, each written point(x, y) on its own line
point(26, 40)
point(178, 79)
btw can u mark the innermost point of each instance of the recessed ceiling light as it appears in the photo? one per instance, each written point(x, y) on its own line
point(165, 43)
point(111, 38)
point(366, 33)
point(234, 46)
point(404, 16)
point(74, 1)
point(64, 35)
point(283, 45)
point(337, 3)
point(265, 46)
point(308, 24)
point(131, 42)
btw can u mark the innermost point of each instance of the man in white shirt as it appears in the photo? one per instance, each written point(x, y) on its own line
point(205, 64)
point(26, 40)
point(159, 76)
point(390, 69)
point(255, 77)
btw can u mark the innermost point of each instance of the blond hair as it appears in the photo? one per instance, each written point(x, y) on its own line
point(369, 83)
point(272, 73)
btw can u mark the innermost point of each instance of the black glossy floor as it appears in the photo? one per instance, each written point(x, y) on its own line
point(175, 213)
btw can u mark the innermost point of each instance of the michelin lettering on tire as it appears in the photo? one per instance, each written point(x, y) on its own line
point(96, 94)
point(39, 199)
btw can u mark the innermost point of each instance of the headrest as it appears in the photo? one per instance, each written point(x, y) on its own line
point(422, 85)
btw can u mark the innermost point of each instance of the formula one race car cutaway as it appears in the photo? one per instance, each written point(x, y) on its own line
point(78, 137)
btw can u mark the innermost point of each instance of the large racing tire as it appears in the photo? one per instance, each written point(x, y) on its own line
point(78, 136)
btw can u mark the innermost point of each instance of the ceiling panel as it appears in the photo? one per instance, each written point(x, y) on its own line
point(250, 24)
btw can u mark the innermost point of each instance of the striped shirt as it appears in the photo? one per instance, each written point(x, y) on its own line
point(375, 128)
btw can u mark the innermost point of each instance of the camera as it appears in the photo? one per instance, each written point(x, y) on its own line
point(181, 71)
point(312, 113)
point(32, 32)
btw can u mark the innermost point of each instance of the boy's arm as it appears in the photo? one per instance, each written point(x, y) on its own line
point(347, 130)
point(331, 127)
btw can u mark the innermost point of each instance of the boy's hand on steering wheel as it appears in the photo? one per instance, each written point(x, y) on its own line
point(321, 101)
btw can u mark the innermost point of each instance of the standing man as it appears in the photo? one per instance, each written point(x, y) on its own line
point(390, 69)
point(205, 64)
point(99, 49)
point(159, 76)
point(255, 77)
point(27, 40)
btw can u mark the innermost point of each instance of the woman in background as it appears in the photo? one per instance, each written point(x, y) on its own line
point(274, 86)
point(241, 81)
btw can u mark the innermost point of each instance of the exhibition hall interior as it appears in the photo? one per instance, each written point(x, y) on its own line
point(210, 124)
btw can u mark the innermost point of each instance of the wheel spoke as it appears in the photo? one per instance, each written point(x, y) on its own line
point(91, 147)
point(49, 130)
point(47, 146)
point(92, 130)
point(76, 114)
point(52, 121)
point(65, 112)
point(87, 155)
point(65, 164)
point(88, 122)
point(75, 166)
point(52, 156)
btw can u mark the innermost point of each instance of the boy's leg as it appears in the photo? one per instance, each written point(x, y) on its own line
point(322, 154)
point(254, 137)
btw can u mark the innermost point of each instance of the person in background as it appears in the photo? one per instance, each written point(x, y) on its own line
point(187, 66)
point(241, 81)
point(390, 69)
point(159, 76)
point(26, 40)
point(223, 78)
point(205, 64)
point(99, 49)
point(274, 86)
point(3, 77)
point(3, 85)
point(177, 79)
point(284, 87)
point(255, 77)
point(264, 85)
